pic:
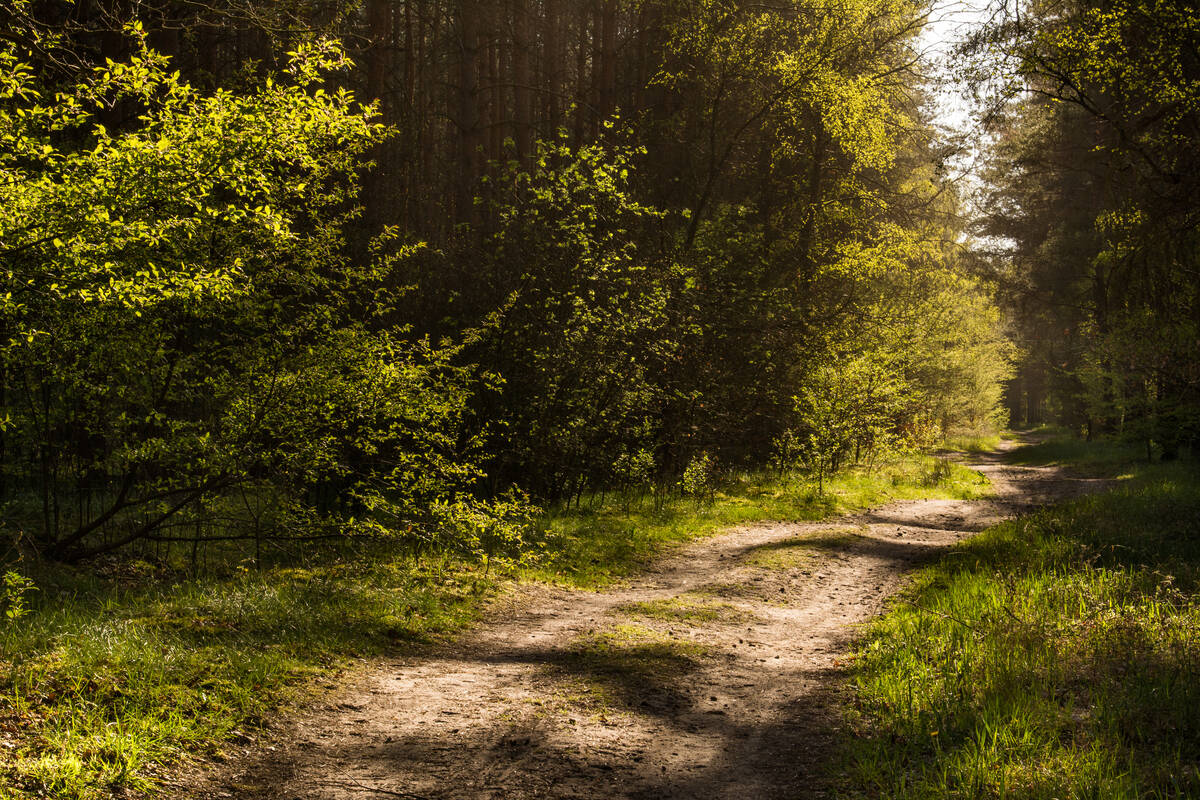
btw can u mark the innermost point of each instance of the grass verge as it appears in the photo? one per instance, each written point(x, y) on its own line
point(973, 443)
point(105, 682)
point(111, 677)
point(1056, 656)
point(1103, 457)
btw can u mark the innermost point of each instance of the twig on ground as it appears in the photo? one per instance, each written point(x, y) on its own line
point(919, 607)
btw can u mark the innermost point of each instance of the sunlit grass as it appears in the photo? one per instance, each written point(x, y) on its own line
point(100, 683)
point(973, 443)
point(687, 607)
point(800, 552)
point(1053, 657)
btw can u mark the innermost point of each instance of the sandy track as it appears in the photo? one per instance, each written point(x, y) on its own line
point(726, 690)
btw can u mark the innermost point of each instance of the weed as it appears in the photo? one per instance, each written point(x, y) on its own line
point(14, 587)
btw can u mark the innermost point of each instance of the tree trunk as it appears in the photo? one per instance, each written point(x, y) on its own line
point(376, 183)
point(596, 68)
point(608, 59)
point(582, 96)
point(496, 76)
point(552, 68)
point(470, 130)
point(522, 79)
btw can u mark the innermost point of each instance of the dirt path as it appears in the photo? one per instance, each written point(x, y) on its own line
point(709, 677)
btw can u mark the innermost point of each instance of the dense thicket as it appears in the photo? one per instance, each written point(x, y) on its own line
point(600, 242)
point(1097, 199)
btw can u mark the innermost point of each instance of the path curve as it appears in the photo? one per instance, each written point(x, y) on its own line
point(711, 676)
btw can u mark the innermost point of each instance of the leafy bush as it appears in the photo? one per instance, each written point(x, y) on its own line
point(700, 477)
point(574, 317)
point(186, 352)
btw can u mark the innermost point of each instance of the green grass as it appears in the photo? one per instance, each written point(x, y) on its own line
point(1103, 457)
point(687, 607)
point(800, 552)
point(973, 443)
point(103, 683)
point(112, 678)
point(1052, 657)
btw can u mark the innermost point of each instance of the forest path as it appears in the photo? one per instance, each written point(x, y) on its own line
point(713, 675)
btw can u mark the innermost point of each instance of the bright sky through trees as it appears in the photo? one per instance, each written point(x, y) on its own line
point(949, 22)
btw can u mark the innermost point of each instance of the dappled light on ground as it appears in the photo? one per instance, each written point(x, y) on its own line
point(714, 675)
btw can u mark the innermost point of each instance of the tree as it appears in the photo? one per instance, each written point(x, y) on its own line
point(1105, 230)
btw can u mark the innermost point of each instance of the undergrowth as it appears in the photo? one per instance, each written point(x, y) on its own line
point(1056, 656)
point(113, 674)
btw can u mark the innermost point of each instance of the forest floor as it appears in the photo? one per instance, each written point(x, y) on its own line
point(714, 674)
